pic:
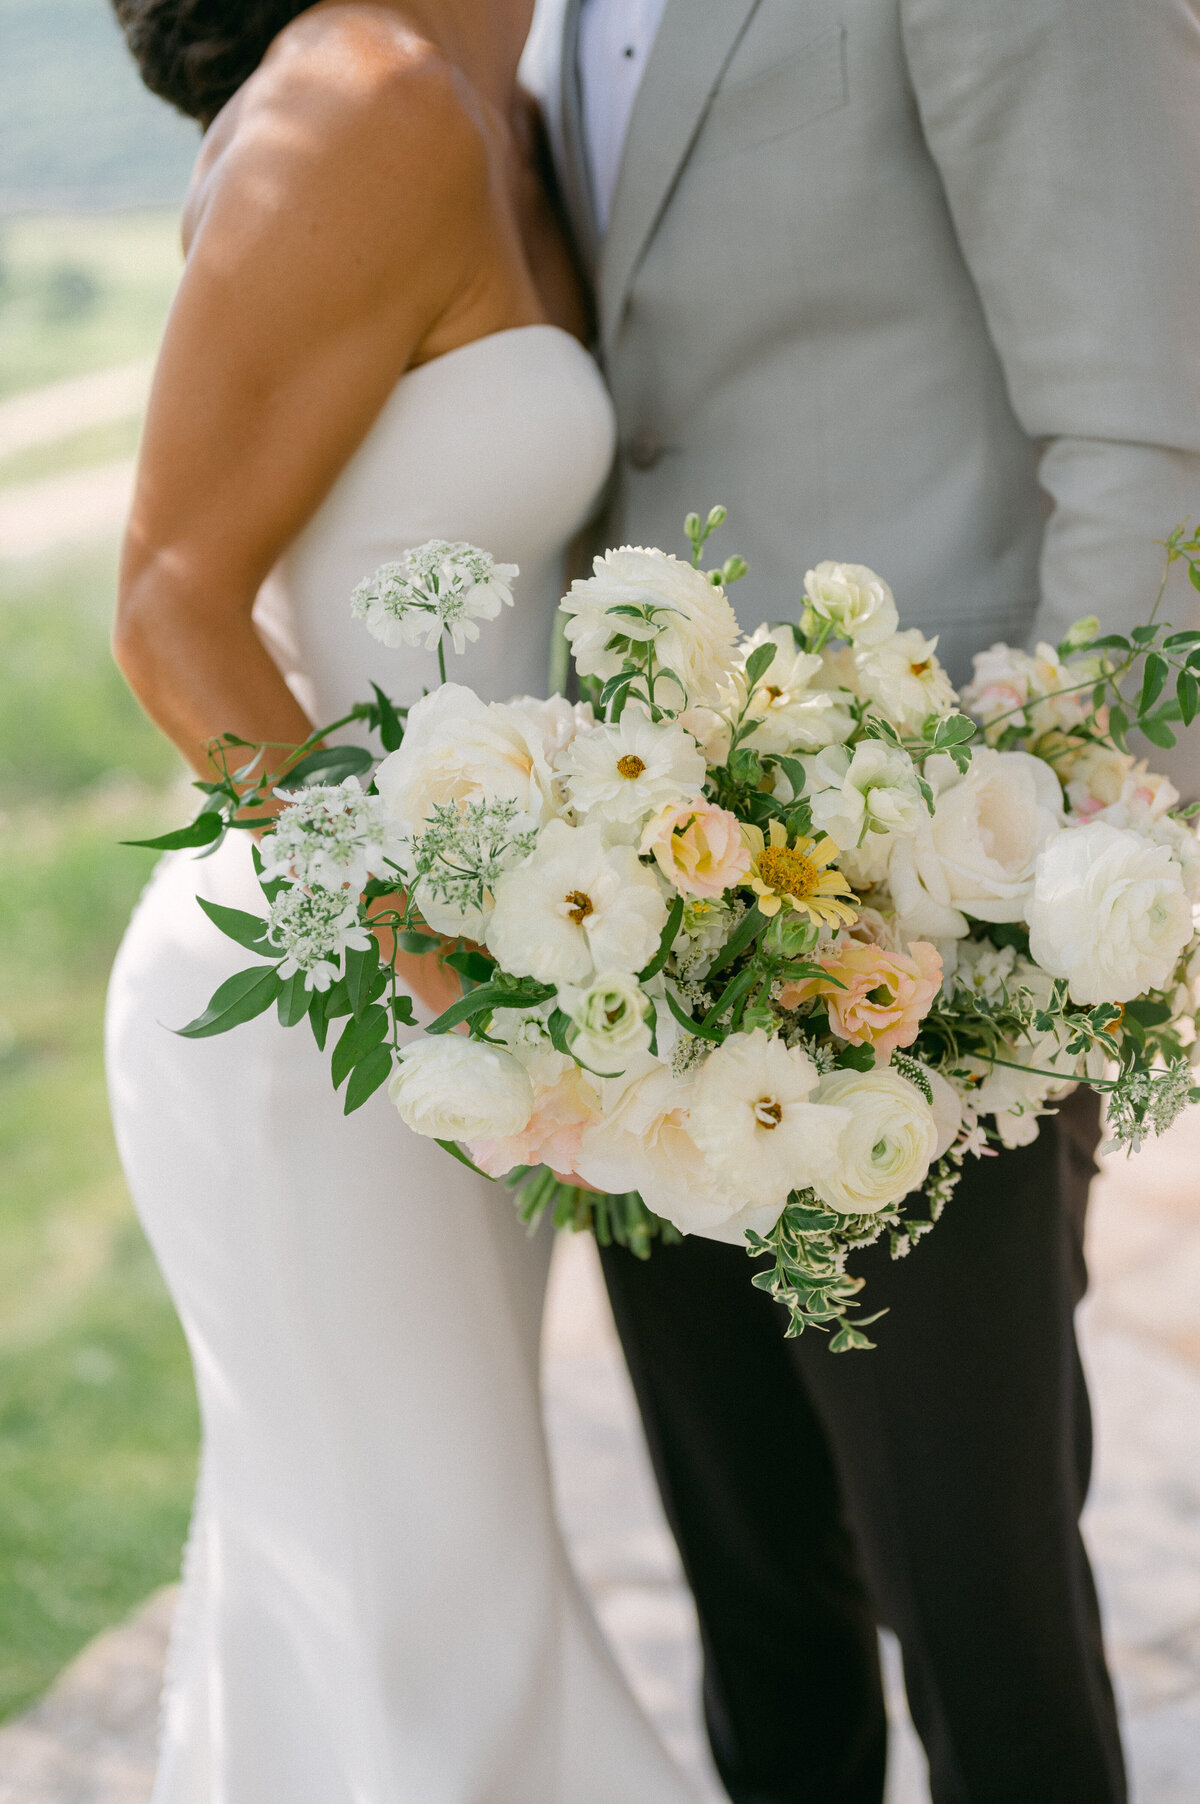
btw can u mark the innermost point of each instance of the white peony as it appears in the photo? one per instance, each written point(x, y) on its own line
point(904, 680)
point(576, 906)
point(872, 791)
point(694, 634)
point(625, 773)
point(887, 1146)
point(458, 748)
point(754, 1122)
point(857, 603)
point(450, 1088)
point(643, 1142)
point(976, 857)
point(792, 713)
point(611, 1016)
point(1109, 913)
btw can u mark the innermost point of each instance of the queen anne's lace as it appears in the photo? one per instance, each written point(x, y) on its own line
point(332, 836)
point(438, 587)
point(314, 928)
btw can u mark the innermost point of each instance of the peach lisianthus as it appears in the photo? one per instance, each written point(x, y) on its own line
point(698, 847)
point(885, 995)
point(553, 1133)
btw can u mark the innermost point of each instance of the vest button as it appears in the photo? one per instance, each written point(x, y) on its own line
point(645, 450)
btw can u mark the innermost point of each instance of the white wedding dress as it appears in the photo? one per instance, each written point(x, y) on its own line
point(377, 1606)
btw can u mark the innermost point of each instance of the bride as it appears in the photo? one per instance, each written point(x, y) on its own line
point(376, 342)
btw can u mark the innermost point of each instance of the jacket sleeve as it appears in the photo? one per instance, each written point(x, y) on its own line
point(1067, 136)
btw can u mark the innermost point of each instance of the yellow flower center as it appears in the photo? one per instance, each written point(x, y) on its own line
point(787, 872)
point(767, 1113)
point(630, 765)
point(773, 692)
point(920, 670)
point(579, 906)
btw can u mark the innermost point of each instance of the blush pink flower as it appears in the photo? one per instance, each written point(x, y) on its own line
point(698, 847)
point(886, 995)
point(554, 1131)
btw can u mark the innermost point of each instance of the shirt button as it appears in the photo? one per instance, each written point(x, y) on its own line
point(645, 450)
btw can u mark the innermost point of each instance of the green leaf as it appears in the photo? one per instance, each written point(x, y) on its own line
point(1111, 642)
point(733, 992)
point(419, 943)
point(1148, 1012)
point(490, 996)
point(693, 1027)
point(402, 1010)
point(665, 943)
point(855, 1058)
point(1144, 635)
point(205, 830)
point(366, 1078)
point(615, 685)
point(955, 729)
point(793, 770)
point(295, 1000)
point(475, 966)
point(1118, 727)
point(361, 968)
point(361, 1034)
point(248, 930)
point(1153, 678)
point(329, 764)
point(759, 662)
point(1187, 694)
point(391, 727)
point(748, 929)
point(240, 998)
point(745, 765)
point(318, 1017)
point(456, 1152)
point(1194, 576)
point(1157, 731)
point(1174, 641)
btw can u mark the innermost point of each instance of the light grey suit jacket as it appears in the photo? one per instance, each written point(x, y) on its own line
point(914, 283)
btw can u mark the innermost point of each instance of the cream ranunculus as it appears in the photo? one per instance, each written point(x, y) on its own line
point(975, 859)
point(449, 1088)
point(1109, 913)
point(887, 1146)
point(575, 906)
point(753, 1119)
point(694, 635)
point(611, 1018)
point(857, 603)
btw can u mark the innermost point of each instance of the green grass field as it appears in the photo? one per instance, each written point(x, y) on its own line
point(80, 293)
point(97, 1419)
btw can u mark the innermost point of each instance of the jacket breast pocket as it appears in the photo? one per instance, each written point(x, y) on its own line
point(780, 100)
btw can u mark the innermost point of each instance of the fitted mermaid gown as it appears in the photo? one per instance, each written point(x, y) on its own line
point(377, 1608)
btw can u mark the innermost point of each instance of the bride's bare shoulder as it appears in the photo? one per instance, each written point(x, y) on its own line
point(353, 105)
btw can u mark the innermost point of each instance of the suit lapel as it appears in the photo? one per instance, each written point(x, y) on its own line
point(577, 188)
point(694, 43)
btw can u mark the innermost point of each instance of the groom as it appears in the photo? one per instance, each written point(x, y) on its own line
point(913, 283)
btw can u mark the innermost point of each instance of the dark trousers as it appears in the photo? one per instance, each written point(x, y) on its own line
point(934, 1485)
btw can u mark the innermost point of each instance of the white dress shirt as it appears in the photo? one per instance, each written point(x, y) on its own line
point(615, 41)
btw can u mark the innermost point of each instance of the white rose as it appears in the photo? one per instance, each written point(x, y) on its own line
point(449, 1088)
point(874, 791)
point(694, 634)
point(887, 1146)
point(903, 678)
point(610, 1015)
point(575, 906)
point(976, 857)
point(625, 773)
point(792, 712)
point(754, 1122)
point(1109, 913)
point(643, 1142)
point(857, 603)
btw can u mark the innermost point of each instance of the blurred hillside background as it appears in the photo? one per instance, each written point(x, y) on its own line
point(97, 1424)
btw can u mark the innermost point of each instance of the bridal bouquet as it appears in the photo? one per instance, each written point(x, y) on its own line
point(761, 939)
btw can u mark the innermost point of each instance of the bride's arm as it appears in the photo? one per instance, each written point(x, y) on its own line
point(337, 233)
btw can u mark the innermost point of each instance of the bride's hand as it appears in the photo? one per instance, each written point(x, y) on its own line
point(431, 981)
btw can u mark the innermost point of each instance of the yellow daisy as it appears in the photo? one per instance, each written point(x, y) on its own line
point(799, 875)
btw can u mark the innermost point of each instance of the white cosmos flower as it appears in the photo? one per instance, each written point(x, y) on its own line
point(753, 1119)
point(792, 713)
point(314, 928)
point(611, 1015)
point(975, 859)
point(643, 1142)
point(625, 773)
point(887, 1146)
point(1109, 913)
point(694, 633)
point(574, 907)
point(331, 836)
point(857, 603)
point(450, 1088)
point(903, 678)
point(439, 586)
point(872, 791)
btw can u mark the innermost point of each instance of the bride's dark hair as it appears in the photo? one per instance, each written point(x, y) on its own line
point(197, 53)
